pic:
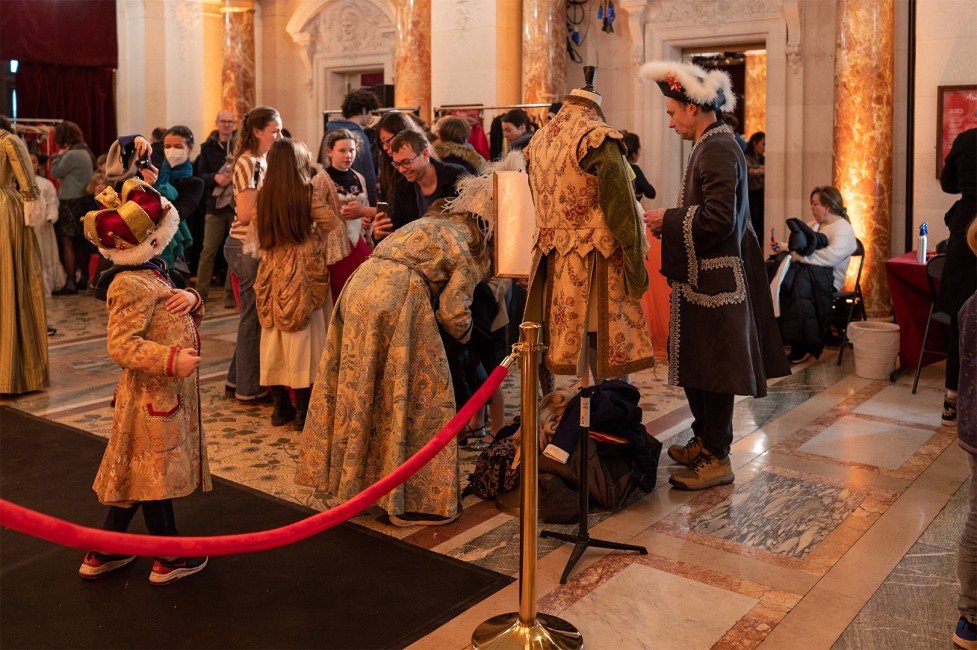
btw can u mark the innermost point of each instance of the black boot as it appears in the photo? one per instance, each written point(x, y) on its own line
point(284, 411)
point(302, 396)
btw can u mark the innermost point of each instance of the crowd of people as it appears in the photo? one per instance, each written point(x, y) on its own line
point(369, 310)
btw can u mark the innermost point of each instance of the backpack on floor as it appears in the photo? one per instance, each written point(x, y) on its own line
point(493, 470)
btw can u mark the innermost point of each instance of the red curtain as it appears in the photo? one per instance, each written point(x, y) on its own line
point(83, 95)
point(64, 32)
point(67, 50)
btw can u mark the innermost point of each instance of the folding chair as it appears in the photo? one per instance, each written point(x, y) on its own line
point(934, 271)
point(851, 299)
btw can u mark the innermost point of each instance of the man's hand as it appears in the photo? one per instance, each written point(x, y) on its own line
point(186, 362)
point(142, 147)
point(181, 302)
point(222, 179)
point(654, 220)
point(382, 226)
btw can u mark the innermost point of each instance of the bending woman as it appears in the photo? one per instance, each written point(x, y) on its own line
point(383, 388)
point(806, 292)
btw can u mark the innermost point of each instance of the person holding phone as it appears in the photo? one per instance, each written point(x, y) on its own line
point(351, 188)
point(423, 180)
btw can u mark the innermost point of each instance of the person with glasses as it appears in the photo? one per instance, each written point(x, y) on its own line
point(213, 166)
point(389, 125)
point(423, 180)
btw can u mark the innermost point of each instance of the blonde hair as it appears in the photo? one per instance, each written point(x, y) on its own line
point(97, 177)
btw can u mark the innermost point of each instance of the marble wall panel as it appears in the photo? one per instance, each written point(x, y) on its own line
point(863, 135)
point(755, 105)
point(544, 60)
point(238, 69)
point(412, 85)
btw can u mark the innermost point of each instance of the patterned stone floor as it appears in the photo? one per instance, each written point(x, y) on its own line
point(839, 531)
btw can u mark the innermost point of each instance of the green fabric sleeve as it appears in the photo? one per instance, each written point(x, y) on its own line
point(616, 196)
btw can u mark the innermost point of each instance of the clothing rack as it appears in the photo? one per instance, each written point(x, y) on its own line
point(380, 111)
point(447, 108)
point(37, 120)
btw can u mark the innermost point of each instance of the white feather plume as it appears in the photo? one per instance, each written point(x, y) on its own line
point(698, 85)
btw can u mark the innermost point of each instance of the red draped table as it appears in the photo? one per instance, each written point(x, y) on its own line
point(911, 302)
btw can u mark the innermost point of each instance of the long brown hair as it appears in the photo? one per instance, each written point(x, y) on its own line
point(257, 118)
point(284, 215)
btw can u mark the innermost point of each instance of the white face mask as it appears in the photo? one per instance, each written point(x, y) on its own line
point(176, 156)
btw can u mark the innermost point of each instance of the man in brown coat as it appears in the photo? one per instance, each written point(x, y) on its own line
point(722, 340)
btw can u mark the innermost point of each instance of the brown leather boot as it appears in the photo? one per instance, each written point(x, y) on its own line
point(685, 454)
point(284, 411)
point(705, 471)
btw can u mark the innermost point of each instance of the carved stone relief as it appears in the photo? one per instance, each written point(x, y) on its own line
point(346, 29)
point(187, 15)
point(711, 13)
point(464, 10)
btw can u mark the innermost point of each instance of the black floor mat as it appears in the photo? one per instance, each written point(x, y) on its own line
point(348, 587)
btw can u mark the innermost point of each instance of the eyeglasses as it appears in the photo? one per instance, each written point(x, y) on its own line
point(386, 143)
point(404, 164)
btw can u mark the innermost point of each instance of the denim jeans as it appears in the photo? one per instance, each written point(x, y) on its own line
point(967, 553)
point(244, 373)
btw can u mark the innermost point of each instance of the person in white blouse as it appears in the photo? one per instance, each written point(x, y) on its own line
point(805, 295)
point(47, 241)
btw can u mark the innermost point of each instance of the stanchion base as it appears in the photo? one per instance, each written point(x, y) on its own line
point(506, 631)
point(510, 502)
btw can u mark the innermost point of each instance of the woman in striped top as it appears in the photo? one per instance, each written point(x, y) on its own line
point(261, 127)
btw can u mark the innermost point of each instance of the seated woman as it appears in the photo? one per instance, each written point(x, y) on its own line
point(806, 291)
point(383, 388)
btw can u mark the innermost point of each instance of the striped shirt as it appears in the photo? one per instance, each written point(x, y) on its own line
point(249, 172)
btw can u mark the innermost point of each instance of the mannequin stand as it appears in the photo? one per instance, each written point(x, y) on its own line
point(582, 539)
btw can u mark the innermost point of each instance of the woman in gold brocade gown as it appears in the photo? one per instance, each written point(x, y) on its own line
point(23, 345)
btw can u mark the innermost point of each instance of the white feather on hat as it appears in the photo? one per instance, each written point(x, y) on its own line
point(712, 89)
point(476, 193)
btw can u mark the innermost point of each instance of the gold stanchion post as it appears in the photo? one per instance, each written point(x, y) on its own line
point(527, 629)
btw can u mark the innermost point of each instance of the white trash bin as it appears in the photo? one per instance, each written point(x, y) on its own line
point(876, 346)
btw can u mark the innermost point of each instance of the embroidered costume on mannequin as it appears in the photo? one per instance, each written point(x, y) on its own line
point(588, 270)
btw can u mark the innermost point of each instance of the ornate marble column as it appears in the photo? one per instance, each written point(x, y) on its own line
point(755, 105)
point(237, 70)
point(863, 135)
point(544, 51)
point(412, 81)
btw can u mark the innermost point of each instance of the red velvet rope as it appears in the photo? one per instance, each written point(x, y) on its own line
point(70, 534)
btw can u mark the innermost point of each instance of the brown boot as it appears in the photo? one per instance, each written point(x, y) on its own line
point(685, 454)
point(705, 471)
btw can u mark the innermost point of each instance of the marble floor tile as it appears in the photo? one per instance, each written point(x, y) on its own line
point(642, 607)
point(896, 402)
point(867, 442)
point(916, 606)
point(779, 513)
point(838, 506)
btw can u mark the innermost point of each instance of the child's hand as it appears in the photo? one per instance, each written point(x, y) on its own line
point(181, 302)
point(187, 361)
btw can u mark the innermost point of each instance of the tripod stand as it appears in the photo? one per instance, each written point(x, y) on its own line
point(583, 539)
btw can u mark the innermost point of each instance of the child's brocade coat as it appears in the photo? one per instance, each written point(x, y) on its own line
point(157, 448)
